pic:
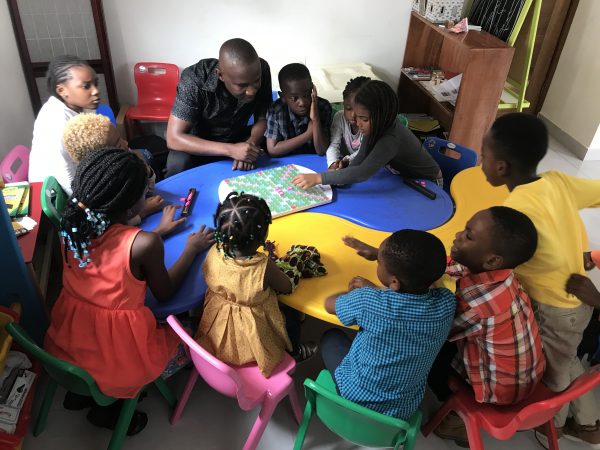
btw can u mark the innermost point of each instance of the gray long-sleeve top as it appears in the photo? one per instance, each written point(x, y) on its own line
point(399, 148)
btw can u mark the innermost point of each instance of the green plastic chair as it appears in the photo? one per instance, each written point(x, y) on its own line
point(54, 200)
point(77, 380)
point(353, 422)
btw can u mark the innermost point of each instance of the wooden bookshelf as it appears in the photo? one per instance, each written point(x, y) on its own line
point(484, 61)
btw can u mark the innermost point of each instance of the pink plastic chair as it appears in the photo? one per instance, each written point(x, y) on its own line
point(15, 166)
point(156, 89)
point(245, 383)
point(504, 421)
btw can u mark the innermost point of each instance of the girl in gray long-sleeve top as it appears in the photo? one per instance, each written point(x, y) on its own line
point(387, 143)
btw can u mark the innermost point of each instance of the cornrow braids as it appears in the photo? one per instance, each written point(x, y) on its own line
point(353, 85)
point(59, 71)
point(382, 103)
point(241, 224)
point(106, 182)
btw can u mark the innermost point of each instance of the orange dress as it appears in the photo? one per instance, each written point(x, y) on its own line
point(241, 321)
point(100, 322)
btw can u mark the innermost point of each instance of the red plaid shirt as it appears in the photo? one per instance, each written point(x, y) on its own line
point(499, 345)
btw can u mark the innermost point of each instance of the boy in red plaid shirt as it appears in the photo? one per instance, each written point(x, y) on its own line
point(494, 343)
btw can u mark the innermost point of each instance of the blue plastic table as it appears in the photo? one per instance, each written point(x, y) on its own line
point(382, 203)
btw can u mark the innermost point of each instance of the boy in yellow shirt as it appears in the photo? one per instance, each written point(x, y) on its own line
point(511, 151)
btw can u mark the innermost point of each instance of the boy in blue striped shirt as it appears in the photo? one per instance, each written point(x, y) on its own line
point(402, 326)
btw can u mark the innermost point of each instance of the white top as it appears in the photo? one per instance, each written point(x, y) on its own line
point(48, 155)
point(343, 142)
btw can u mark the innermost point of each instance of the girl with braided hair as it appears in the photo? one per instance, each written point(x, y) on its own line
point(73, 88)
point(242, 321)
point(386, 143)
point(100, 322)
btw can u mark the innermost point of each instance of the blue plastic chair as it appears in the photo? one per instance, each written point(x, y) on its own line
point(449, 165)
point(107, 111)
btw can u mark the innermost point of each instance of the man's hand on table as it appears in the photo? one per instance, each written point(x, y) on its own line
point(244, 151)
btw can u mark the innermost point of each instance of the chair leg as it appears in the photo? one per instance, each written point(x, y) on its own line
point(295, 403)
point(260, 424)
point(473, 433)
point(410, 439)
point(191, 382)
point(120, 431)
point(301, 435)
point(166, 392)
point(437, 418)
point(551, 435)
point(42, 416)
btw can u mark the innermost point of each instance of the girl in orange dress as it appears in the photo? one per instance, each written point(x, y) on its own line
point(100, 322)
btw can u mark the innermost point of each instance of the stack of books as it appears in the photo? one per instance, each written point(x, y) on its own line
point(13, 393)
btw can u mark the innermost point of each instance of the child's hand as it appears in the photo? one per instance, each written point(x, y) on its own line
point(359, 282)
point(200, 241)
point(307, 180)
point(314, 106)
point(363, 249)
point(335, 165)
point(153, 204)
point(588, 264)
point(583, 288)
point(167, 221)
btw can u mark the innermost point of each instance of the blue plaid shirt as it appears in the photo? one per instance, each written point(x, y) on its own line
point(400, 335)
point(283, 124)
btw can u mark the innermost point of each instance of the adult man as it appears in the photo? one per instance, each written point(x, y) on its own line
point(215, 99)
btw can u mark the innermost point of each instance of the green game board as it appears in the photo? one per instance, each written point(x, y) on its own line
point(275, 186)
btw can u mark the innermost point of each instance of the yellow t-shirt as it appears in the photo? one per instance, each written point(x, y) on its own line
point(552, 203)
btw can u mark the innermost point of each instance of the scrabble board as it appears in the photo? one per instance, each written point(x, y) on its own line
point(275, 186)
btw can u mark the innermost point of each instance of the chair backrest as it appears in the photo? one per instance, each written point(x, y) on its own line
point(156, 83)
point(449, 165)
point(15, 165)
point(54, 200)
point(541, 411)
point(353, 422)
point(220, 376)
point(71, 377)
point(107, 111)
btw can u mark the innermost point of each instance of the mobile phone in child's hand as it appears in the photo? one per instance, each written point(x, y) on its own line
point(188, 203)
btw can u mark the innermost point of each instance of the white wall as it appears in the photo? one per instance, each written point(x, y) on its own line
point(313, 32)
point(573, 100)
point(16, 114)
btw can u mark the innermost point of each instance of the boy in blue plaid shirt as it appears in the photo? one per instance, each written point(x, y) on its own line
point(299, 121)
point(402, 326)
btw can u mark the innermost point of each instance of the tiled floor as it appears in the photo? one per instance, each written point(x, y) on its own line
point(212, 421)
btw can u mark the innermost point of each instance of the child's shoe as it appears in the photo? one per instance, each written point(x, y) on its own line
point(107, 417)
point(586, 434)
point(76, 402)
point(305, 351)
point(453, 428)
point(540, 435)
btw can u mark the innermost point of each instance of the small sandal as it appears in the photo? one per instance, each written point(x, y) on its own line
point(305, 351)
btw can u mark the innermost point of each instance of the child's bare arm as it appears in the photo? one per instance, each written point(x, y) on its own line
point(147, 261)
point(363, 249)
point(276, 279)
point(280, 148)
point(583, 288)
point(320, 137)
point(330, 302)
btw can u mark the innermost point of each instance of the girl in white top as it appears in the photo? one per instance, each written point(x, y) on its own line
point(73, 87)
point(345, 135)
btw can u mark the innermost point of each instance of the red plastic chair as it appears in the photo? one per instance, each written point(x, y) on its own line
point(156, 88)
point(245, 383)
point(503, 422)
point(15, 165)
